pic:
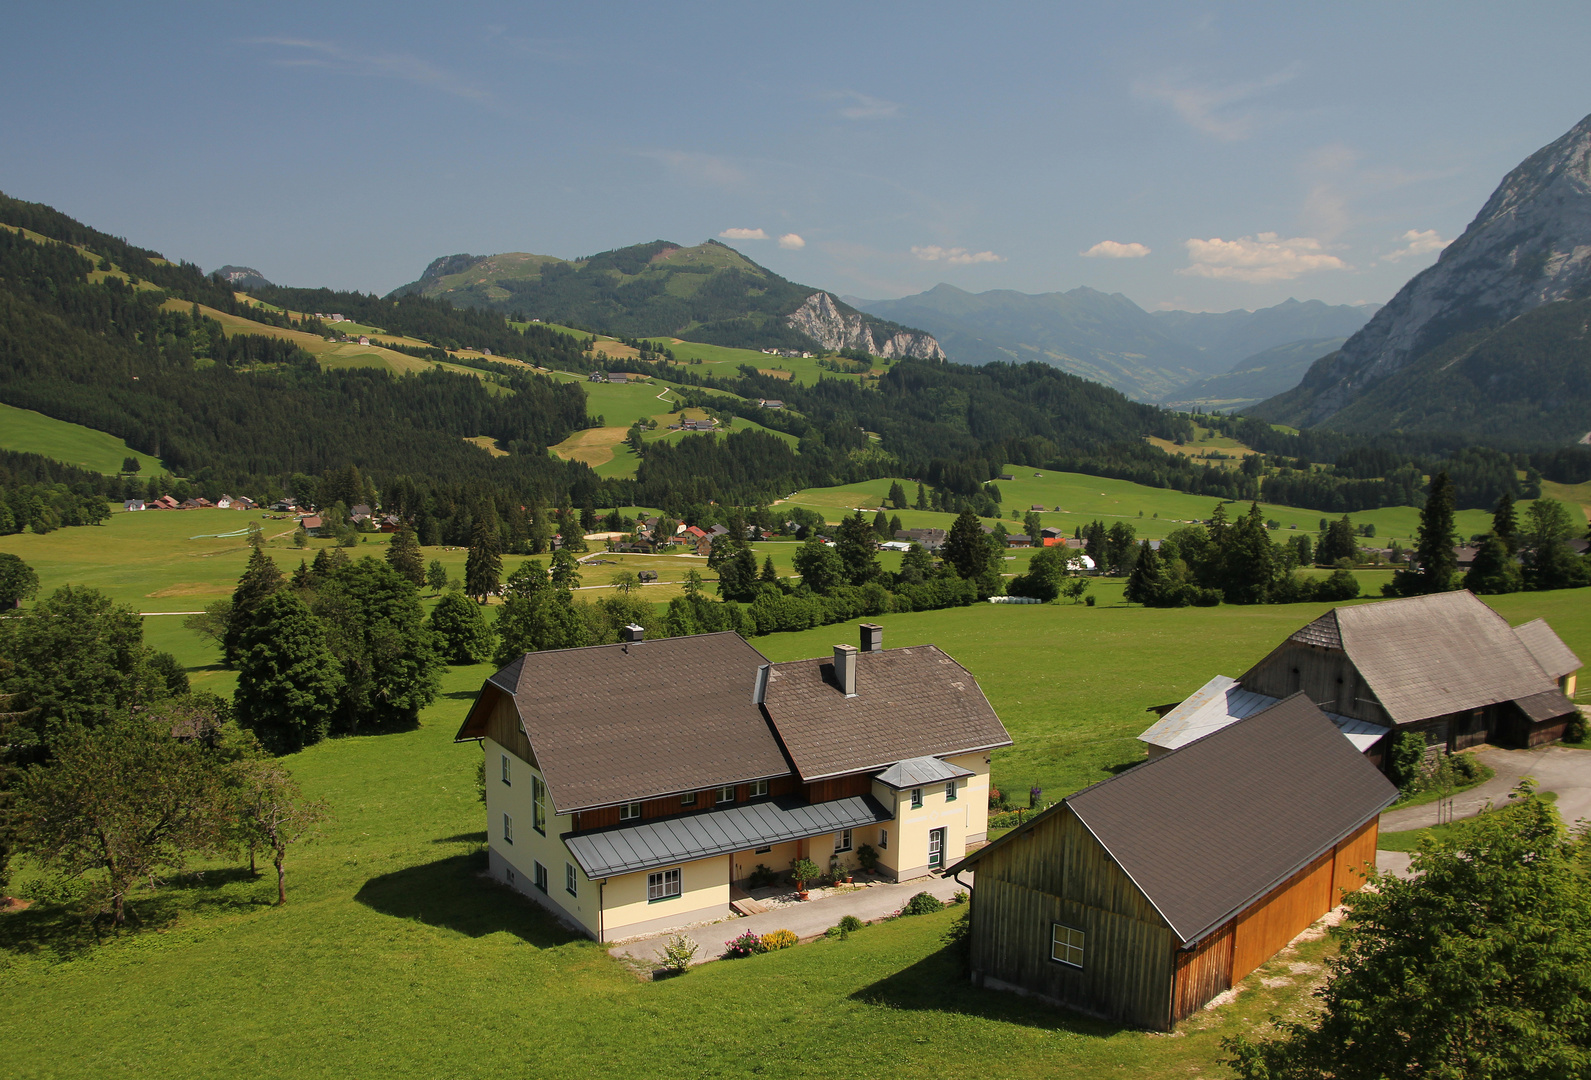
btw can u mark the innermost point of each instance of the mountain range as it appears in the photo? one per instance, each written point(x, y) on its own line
point(708, 293)
point(1492, 341)
point(1150, 356)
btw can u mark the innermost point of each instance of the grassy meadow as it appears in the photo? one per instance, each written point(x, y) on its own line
point(32, 432)
point(394, 956)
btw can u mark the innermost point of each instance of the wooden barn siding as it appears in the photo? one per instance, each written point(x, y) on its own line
point(1059, 873)
point(670, 805)
point(1265, 927)
point(502, 724)
point(1353, 852)
point(1327, 676)
point(842, 787)
point(1202, 973)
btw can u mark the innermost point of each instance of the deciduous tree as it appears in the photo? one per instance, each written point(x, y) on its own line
point(289, 683)
point(462, 629)
point(260, 579)
point(270, 811)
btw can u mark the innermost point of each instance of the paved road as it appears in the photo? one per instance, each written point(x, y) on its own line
point(806, 920)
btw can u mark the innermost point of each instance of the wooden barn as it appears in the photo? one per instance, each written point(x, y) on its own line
point(1142, 897)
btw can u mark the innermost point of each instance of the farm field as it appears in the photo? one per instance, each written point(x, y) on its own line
point(388, 918)
point(34, 433)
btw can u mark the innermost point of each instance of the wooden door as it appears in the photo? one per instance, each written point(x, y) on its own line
point(936, 847)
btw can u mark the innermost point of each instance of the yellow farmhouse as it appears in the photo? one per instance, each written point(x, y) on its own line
point(629, 786)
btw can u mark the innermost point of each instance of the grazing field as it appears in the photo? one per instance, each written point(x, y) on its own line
point(395, 957)
point(34, 433)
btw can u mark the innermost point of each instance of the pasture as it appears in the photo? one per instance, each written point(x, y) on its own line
point(88, 448)
point(394, 956)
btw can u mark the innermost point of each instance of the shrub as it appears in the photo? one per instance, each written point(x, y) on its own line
point(762, 876)
point(923, 904)
point(851, 923)
point(1575, 732)
point(779, 939)
point(678, 953)
point(805, 871)
point(867, 858)
point(747, 944)
point(959, 896)
point(1089, 601)
point(1408, 755)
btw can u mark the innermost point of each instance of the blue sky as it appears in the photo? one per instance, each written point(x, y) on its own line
point(1207, 156)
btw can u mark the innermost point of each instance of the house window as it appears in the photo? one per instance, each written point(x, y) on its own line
point(726, 793)
point(630, 812)
point(842, 841)
point(538, 795)
point(759, 789)
point(505, 770)
point(570, 879)
point(917, 798)
point(508, 829)
point(664, 885)
point(763, 850)
point(1066, 945)
point(541, 877)
point(950, 791)
point(688, 799)
point(883, 839)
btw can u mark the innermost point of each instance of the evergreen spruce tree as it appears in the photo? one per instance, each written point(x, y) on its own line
point(897, 496)
point(922, 497)
point(881, 526)
point(289, 683)
point(895, 526)
point(965, 548)
point(1147, 583)
point(856, 543)
point(483, 567)
point(1433, 548)
point(404, 556)
point(261, 578)
point(1505, 523)
point(769, 574)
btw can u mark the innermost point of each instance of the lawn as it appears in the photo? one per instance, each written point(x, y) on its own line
point(88, 448)
point(1452, 832)
point(395, 957)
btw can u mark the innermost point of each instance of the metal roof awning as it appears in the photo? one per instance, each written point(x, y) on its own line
point(915, 772)
point(624, 850)
point(1222, 701)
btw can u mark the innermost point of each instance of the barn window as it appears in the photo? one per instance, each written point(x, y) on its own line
point(1066, 945)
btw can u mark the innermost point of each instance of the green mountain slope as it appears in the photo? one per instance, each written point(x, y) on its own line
point(709, 293)
point(1254, 378)
point(1526, 383)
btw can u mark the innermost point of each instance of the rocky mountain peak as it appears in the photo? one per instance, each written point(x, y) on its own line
point(1529, 245)
point(836, 326)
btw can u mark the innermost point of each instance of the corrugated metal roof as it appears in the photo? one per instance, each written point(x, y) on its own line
point(1555, 658)
point(665, 841)
point(914, 702)
point(914, 772)
point(1223, 701)
point(1208, 829)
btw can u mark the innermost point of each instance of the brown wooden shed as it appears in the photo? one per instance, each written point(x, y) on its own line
point(1142, 897)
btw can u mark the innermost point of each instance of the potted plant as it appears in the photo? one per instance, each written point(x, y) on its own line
point(868, 857)
point(804, 871)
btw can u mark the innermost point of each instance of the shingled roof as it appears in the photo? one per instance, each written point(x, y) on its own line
point(621, 723)
point(1555, 658)
point(1206, 830)
point(909, 703)
point(1428, 656)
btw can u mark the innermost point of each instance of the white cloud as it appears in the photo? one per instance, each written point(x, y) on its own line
point(955, 256)
point(1110, 249)
point(326, 54)
point(1213, 109)
point(1416, 242)
point(791, 242)
point(1258, 259)
point(744, 234)
point(864, 107)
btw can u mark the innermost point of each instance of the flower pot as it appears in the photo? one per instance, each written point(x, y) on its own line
point(801, 894)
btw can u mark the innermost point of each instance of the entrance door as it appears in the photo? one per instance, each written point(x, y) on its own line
point(936, 847)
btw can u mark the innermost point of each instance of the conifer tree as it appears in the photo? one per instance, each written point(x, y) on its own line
point(897, 496)
point(1433, 548)
point(483, 567)
point(404, 556)
point(260, 579)
point(1505, 524)
point(965, 549)
point(922, 497)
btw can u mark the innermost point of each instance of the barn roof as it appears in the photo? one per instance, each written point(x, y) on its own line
point(1210, 828)
point(1223, 701)
point(1427, 656)
point(1548, 648)
point(909, 703)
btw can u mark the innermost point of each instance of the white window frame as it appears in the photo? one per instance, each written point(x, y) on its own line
point(541, 876)
point(759, 789)
point(506, 781)
point(917, 798)
point(508, 829)
point(842, 841)
point(538, 798)
point(943, 836)
point(571, 880)
point(950, 791)
point(665, 885)
point(630, 811)
point(688, 799)
point(726, 794)
point(1067, 945)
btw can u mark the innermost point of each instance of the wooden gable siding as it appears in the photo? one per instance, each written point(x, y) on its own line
point(1058, 872)
point(1202, 973)
point(670, 805)
point(1327, 676)
point(502, 724)
point(840, 787)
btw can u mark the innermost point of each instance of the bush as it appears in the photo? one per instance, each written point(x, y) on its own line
point(1408, 756)
point(959, 896)
point(923, 904)
point(762, 876)
point(678, 953)
point(867, 857)
point(851, 924)
point(747, 944)
point(1575, 732)
point(779, 939)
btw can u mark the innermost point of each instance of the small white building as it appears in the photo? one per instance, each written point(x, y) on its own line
point(133, 504)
